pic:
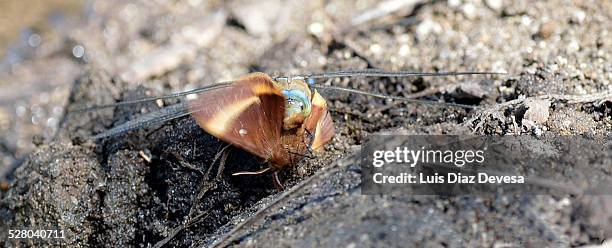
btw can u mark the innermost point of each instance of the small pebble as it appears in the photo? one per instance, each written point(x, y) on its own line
point(38, 140)
point(78, 51)
point(526, 20)
point(573, 47)
point(561, 60)
point(546, 30)
point(316, 28)
point(404, 50)
point(454, 3)
point(578, 16)
point(375, 48)
point(495, 4)
point(537, 111)
point(34, 40)
point(537, 131)
point(469, 10)
point(427, 27)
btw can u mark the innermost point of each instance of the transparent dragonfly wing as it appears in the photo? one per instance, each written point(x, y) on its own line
point(149, 119)
point(156, 117)
point(155, 98)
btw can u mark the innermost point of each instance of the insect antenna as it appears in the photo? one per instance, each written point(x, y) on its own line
point(386, 74)
point(381, 73)
point(150, 99)
point(405, 99)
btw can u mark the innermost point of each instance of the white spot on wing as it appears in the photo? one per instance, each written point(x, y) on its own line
point(243, 132)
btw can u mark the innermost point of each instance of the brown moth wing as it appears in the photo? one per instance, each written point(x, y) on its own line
point(248, 114)
point(319, 123)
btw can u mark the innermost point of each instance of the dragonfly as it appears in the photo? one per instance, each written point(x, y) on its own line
point(279, 119)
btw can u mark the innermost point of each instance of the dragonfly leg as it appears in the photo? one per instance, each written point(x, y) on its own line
point(275, 179)
point(277, 182)
point(259, 172)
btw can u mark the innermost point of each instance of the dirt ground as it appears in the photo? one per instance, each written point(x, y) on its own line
point(163, 186)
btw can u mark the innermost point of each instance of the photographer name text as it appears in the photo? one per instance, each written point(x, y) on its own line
point(458, 178)
point(410, 158)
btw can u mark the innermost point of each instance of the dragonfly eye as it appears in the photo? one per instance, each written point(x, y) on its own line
point(297, 103)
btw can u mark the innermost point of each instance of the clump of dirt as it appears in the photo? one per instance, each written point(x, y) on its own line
point(58, 188)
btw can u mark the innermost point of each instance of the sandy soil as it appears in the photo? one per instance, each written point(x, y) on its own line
point(162, 185)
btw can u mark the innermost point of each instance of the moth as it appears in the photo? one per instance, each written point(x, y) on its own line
point(277, 119)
